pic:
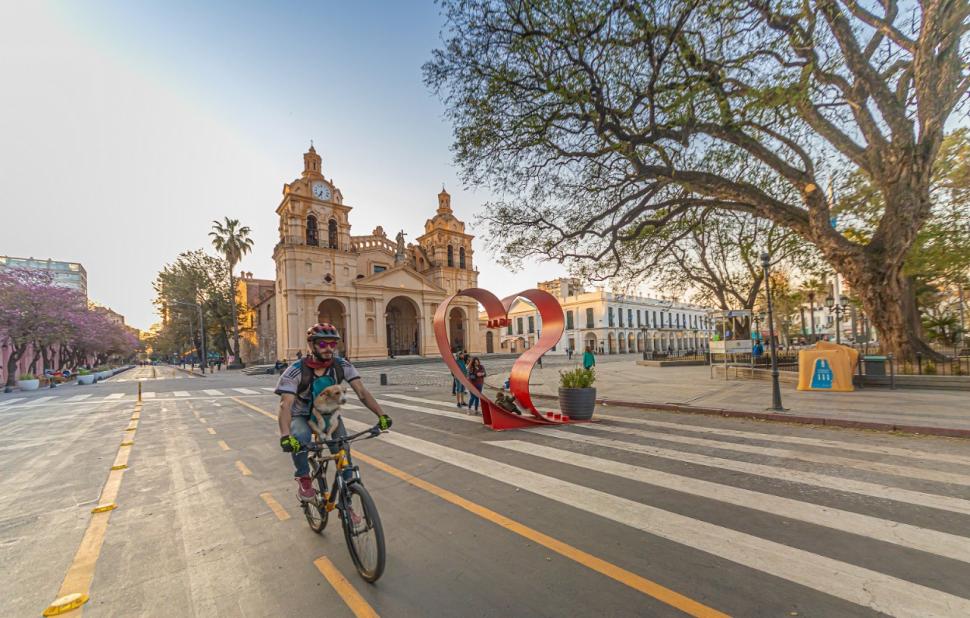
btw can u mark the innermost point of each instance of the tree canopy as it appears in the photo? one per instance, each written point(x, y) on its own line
point(602, 122)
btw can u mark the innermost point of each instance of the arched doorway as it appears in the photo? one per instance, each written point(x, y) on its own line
point(632, 343)
point(621, 339)
point(402, 317)
point(456, 329)
point(489, 342)
point(611, 343)
point(590, 342)
point(332, 311)
point(640, 342)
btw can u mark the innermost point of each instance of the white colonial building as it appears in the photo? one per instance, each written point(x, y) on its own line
point(607, 322)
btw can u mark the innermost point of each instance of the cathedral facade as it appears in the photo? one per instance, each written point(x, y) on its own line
point(381, 293)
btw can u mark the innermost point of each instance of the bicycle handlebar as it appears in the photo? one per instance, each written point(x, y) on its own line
point(370, 432)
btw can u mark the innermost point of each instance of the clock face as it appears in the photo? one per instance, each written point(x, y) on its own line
point(321, 191)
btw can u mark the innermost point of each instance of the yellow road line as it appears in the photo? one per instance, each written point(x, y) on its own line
point(223, 445)
point(275, 506)
point(253, 408)
point(242, 468)
point(650, 588)
point(79, 575)
point(348, 593)
point(211, 430)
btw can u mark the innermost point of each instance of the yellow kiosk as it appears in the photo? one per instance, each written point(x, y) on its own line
point(827, 366)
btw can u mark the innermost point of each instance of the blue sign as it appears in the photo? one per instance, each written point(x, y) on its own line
point(822, 375)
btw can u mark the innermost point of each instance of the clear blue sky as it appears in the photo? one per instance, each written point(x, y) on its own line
point(128, 127)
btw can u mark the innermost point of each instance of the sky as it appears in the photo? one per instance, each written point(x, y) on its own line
point(128, 127)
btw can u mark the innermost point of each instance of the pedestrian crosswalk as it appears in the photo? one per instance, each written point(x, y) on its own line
point(808, 494)
point(128, 394)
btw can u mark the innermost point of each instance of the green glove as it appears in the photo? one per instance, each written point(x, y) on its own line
point(290, 444)
point(385, 422)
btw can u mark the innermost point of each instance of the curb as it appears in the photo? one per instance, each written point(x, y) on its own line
point(782, 418)
point(188, 371)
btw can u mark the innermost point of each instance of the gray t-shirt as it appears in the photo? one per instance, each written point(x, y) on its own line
point(289, 382)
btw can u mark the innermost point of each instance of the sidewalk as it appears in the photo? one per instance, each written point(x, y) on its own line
point(691, 389)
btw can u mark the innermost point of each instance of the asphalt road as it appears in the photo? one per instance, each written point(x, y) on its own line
point(640, 514)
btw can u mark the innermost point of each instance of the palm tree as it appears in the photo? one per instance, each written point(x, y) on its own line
point(233, 242)
point(813, 290)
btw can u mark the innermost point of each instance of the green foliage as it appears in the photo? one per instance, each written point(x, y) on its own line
point(929, 369)
point(577, 378)
point(83, 372)
point(27, 376)
point(942, 327)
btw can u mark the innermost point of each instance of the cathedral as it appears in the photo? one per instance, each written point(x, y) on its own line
point(381, 293)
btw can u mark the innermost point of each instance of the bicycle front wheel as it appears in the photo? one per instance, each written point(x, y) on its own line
point(364, 533)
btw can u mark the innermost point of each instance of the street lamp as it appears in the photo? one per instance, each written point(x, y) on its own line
point(839, 309)
point(205, 359)
point(811, 304)
point(775, 387)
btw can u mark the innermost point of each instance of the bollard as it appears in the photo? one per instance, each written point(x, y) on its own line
point(139, 392)
point(919, 363)
point(383, 379)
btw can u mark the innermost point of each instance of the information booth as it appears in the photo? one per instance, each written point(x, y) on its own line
point(731, 336)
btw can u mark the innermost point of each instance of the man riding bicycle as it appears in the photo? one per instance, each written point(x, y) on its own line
point(299, 385)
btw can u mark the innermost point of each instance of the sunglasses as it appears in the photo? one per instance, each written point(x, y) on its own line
point(328, 344)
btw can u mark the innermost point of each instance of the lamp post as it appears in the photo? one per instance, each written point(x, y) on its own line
point(811, 305)
point(775, 387)
point(204, 361)
point(838, 309)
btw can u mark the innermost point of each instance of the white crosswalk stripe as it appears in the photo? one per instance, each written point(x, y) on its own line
point(181, 394)
point(212, 391)
point(268, 388)
point(79, 397)
point(41, 400)
point(148, 395)
point(245, 391)
point(11, 401)
point(864, 586)
point(932, 541)
point(115, 396)
point(873, 490)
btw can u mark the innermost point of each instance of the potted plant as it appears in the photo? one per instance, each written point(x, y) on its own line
point(28, 382)
point(85, 377)
point(577, 397)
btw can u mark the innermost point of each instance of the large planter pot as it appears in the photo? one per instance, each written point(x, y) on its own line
point(577, 403)
point(28, 385)
point(86, 379)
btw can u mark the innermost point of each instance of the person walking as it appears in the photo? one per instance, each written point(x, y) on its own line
point(476, 374)
point(589, 359)
point(460, 388)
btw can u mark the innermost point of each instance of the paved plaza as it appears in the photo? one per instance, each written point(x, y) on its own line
point(641, 513)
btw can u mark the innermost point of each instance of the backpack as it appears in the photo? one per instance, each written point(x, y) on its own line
point(304, 390)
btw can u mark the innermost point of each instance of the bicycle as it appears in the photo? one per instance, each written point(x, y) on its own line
point(361, 522)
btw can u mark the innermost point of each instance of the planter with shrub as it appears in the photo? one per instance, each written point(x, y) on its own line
point(85, 377)
point(28, 382)
point(577, 397)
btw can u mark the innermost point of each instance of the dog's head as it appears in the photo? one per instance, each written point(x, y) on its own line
point(331, 398)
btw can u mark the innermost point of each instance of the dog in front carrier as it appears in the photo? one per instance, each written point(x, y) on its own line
point(325, 411)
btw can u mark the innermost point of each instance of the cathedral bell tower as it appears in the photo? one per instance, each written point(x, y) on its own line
point(312, 163)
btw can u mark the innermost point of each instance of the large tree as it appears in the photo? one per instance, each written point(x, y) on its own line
point(602, 121)
point(233, 242)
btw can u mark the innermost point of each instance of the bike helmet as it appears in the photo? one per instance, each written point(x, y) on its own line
point(322, 330)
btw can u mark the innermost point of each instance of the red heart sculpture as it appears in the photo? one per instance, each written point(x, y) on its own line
point(497, 310)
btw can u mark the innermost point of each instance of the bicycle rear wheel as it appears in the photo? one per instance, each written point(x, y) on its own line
point(364, 533)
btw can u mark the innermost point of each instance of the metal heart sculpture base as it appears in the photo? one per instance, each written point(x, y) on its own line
point(495, 417)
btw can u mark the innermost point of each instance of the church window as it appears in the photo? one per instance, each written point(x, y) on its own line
point(379, 269)
point(311, 231)
point(332, 234)
point(461, 257)
point(451, 255)
point(328, 278)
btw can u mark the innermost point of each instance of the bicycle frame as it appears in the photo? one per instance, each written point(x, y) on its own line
point(342, 459)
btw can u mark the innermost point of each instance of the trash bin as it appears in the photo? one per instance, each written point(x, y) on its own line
point(875, 365)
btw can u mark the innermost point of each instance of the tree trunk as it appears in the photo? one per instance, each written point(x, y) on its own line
point(886, 297)
point(235, 320)
point(45, 354)
point(33, 363)
point(16, 351)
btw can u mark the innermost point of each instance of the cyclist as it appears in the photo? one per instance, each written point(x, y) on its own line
point(300, 383)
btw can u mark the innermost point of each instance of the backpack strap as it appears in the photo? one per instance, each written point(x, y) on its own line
point(306, 378)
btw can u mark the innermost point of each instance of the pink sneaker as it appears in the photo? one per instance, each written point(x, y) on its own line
point(305, 492)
